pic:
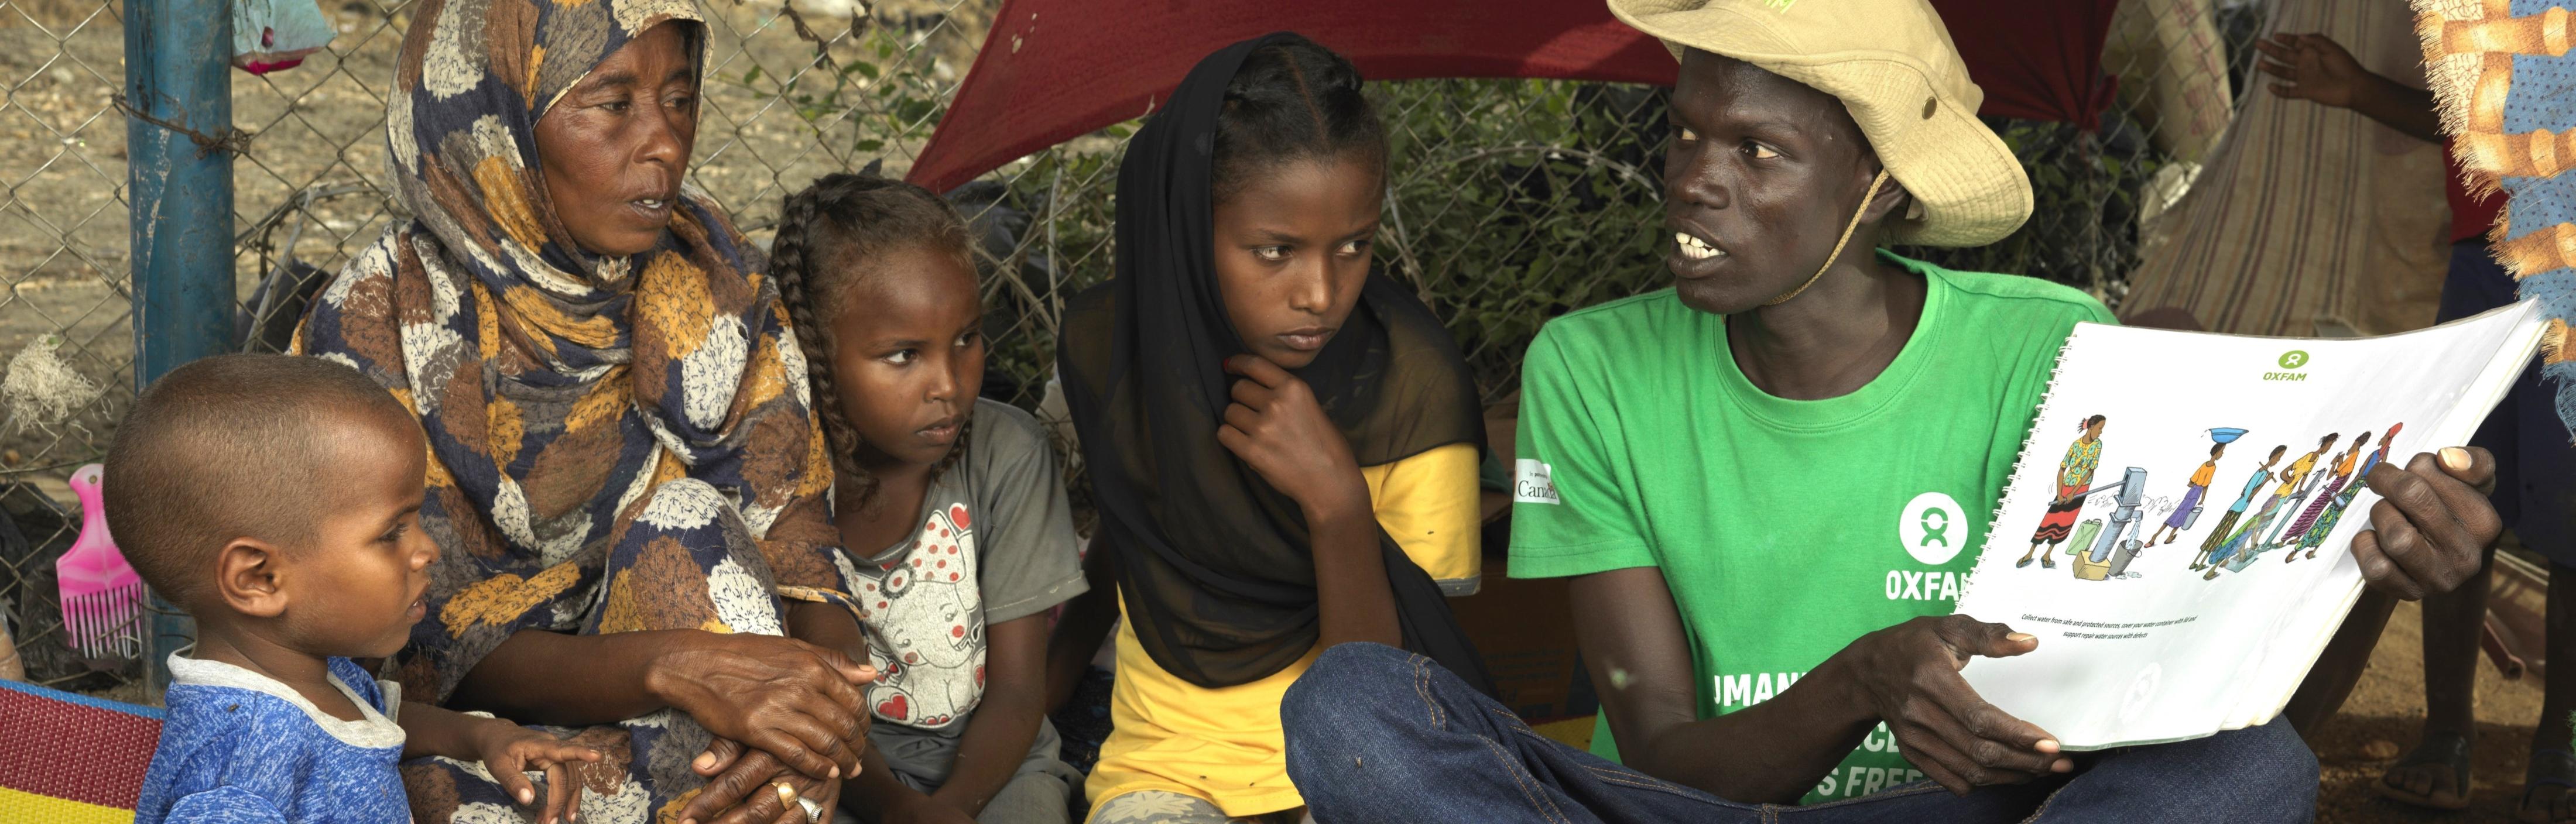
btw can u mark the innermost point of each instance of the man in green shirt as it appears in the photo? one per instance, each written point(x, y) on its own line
point(1764, 484)
point(1782, 529)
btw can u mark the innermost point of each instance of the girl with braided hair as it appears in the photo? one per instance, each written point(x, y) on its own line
point(951, 505)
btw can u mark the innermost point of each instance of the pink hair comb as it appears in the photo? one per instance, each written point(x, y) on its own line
point(102, 598)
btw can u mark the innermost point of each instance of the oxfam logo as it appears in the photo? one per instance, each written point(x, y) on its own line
point(2142, 691)
point(1933, 528)
point(2290, 363)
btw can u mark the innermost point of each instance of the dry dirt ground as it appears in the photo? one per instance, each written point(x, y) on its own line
point(2383, 716)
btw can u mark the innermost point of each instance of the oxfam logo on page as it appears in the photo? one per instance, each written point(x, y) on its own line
point(2290, 362)
point(1933, 528)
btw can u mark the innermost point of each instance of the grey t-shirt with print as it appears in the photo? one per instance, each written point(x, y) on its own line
point(995, 543)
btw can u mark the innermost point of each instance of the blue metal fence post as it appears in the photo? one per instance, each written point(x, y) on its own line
point(178, 73)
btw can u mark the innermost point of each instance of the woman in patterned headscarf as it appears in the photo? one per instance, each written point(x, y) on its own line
point(625, 478)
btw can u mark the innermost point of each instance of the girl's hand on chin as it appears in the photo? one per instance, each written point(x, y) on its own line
point(1276, 425)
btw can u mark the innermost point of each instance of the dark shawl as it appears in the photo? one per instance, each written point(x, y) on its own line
point(1216, 567)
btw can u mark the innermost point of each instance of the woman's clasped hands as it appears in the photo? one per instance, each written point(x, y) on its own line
point(784, 713)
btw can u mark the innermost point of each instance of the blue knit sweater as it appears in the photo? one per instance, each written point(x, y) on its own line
point(240, 747)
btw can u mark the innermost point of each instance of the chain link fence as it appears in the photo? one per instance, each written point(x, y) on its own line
point(1512, 201)
point(65, 320)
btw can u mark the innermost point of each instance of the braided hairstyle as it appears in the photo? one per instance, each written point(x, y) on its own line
point(829, 236)
point(1293, 100)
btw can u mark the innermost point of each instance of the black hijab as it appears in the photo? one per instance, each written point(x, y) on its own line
point(1217, 567)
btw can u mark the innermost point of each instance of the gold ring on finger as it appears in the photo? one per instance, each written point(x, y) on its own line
point(786, 794)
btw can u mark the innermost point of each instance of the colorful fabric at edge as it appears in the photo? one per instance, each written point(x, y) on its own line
point(2506, 88)
point(616, 444)
point(72, 758)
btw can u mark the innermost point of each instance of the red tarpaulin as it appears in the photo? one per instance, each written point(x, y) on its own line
point(1053, 70)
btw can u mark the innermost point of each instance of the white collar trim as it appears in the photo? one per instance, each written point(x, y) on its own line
point(371, 731)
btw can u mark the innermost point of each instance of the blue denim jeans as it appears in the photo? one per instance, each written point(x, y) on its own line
point(1376, 734)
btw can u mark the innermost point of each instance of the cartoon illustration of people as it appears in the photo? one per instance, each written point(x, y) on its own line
point(2317, 532)
point(2074, 476)
point(2299, 483)
point(2209, 556)
point(2307, 519)
point(2248, 540)
point(2200, 481)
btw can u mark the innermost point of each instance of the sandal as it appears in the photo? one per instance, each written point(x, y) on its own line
point(2046, 563)
point(2021, 563)
point(2549, 768)
point(2437, 749)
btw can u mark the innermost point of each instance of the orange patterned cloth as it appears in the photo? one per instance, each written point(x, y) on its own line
point(2506, 88)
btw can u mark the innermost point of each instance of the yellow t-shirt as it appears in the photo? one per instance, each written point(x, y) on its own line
point(2298, 469)
point(2207, 473)
point(1225, 745)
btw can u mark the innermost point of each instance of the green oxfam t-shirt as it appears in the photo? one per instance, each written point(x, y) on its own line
point(1787, 529)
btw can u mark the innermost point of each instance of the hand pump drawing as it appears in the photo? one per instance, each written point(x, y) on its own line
point(2120, 542)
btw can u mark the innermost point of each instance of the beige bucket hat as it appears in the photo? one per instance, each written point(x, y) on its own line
point(1892, 64)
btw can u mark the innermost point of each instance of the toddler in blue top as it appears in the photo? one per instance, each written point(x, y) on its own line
point(273, 498)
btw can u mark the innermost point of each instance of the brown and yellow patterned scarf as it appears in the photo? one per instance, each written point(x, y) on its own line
point(558, 388)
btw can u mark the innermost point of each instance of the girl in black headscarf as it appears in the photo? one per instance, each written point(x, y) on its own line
point(1279, 442)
